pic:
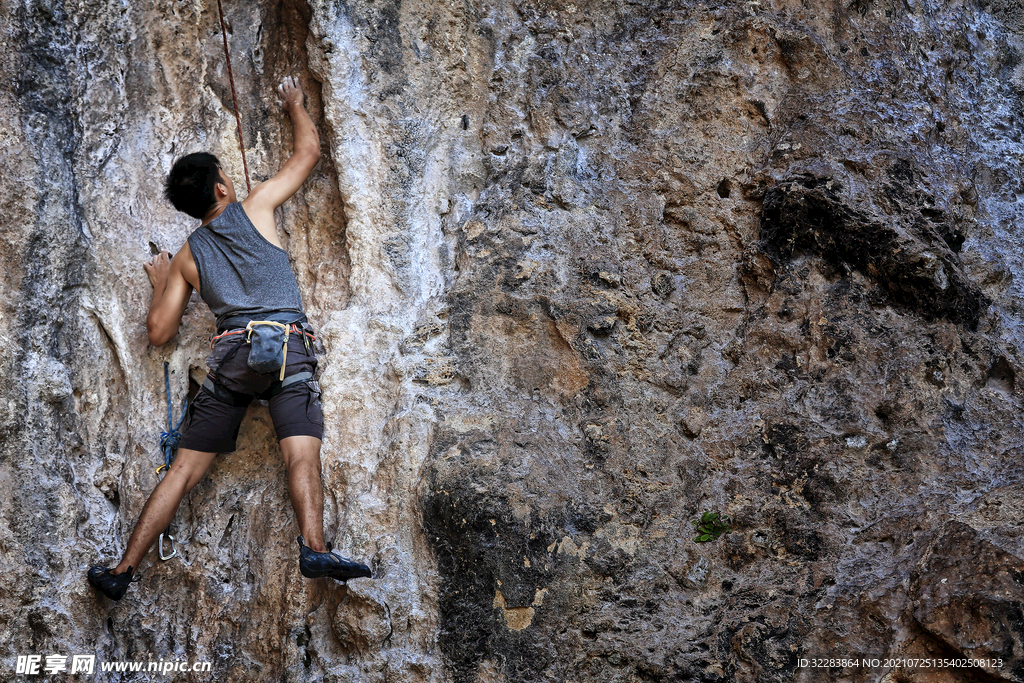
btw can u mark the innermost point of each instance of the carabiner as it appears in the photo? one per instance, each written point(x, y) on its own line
point(160, 547)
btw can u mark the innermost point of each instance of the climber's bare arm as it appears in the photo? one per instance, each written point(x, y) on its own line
point(173, 280)
point(269, 195)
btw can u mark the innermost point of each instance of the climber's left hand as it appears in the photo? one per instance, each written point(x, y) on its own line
point(157, 268)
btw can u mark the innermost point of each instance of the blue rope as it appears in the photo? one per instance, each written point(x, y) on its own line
point(169, 440)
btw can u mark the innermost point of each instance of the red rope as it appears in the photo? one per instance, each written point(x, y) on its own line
point(234, 98)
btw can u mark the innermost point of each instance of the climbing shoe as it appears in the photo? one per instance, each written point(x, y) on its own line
point(314, 565)
point(111, 585)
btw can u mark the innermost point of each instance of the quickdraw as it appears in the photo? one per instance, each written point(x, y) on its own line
point(169, 441)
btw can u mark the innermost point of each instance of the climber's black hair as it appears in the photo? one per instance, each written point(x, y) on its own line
point(190, 183)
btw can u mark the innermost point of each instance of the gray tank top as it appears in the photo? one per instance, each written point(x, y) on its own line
point(240, 272)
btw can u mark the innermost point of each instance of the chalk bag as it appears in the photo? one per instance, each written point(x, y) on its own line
point(269, 346)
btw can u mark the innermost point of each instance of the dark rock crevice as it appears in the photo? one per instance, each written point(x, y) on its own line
point(915, 267)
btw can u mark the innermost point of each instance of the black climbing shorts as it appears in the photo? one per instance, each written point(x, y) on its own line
point(211, 424)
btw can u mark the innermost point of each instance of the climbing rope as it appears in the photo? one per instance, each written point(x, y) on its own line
point(169, 441)
point(234, 98)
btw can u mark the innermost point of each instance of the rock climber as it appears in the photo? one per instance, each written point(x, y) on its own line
point(262, 347)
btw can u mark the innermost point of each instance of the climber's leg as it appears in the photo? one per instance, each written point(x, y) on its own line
point(298, 420)
point(188, 468)
point(302, 459)
point(211, 427)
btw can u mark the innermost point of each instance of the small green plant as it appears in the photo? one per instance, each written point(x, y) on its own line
point(710, 526)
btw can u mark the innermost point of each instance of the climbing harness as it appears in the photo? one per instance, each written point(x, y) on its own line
point(238, 399)
point(268, 352)
point(234, 97)
point(169, 441)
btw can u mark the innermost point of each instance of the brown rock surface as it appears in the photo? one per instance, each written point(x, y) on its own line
point(968, 594)
point(582, 271)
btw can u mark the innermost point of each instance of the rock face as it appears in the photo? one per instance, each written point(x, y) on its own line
point(582, 271)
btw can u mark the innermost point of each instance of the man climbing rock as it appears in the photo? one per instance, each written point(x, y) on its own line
point(262, 347)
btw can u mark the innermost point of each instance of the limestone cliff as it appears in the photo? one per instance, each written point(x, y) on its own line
point(582, 272)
